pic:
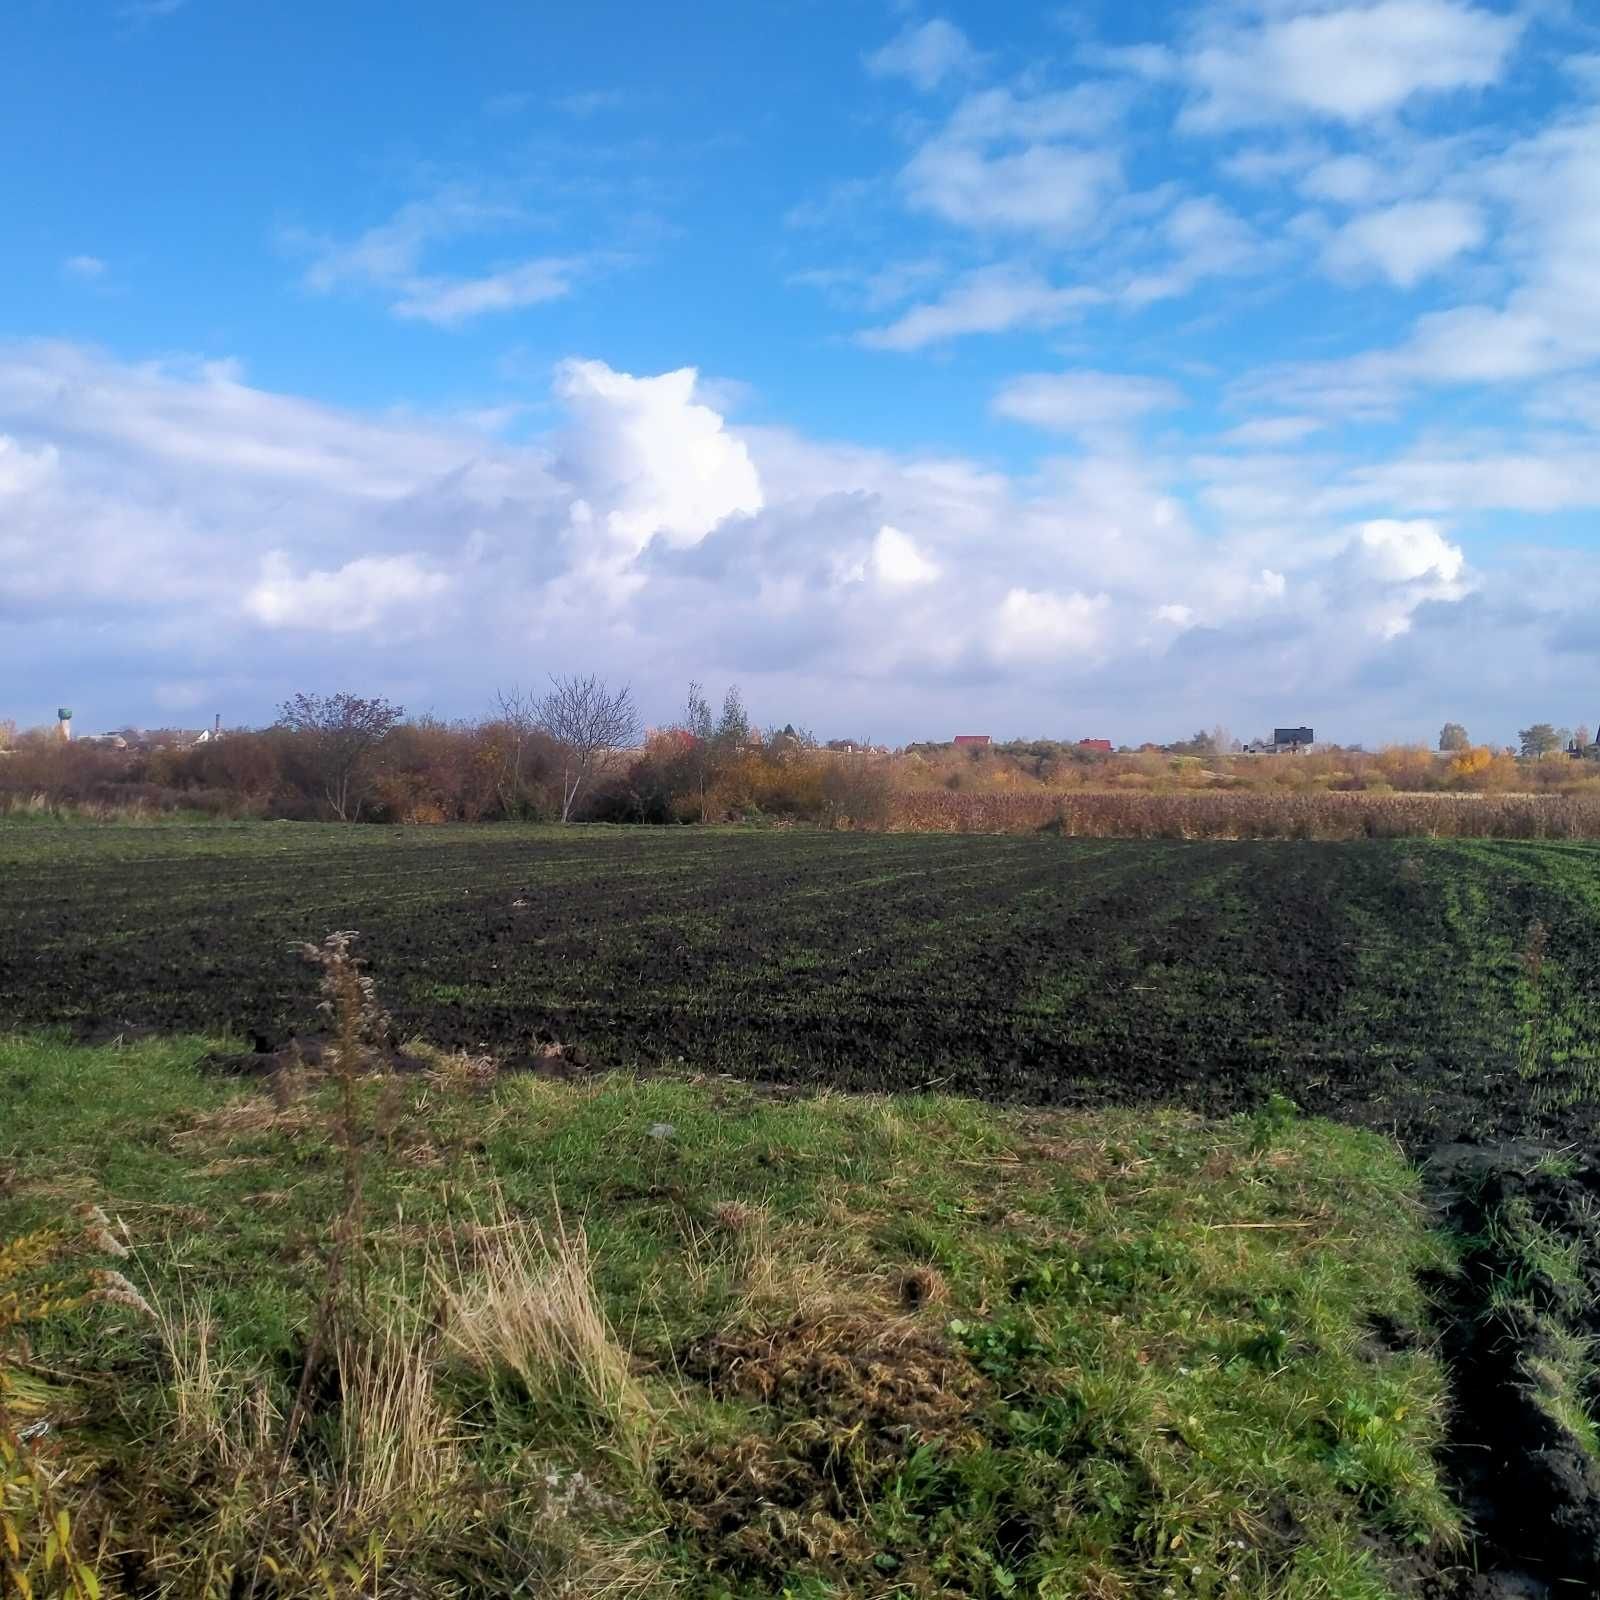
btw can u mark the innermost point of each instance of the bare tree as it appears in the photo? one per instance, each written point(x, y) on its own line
point(585, 720)
point(338, 734)
point(520, 713)
point(700, 757)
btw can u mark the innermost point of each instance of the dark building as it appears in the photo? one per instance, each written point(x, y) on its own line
point(1292, 738)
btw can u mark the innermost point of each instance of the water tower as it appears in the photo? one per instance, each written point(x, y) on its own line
point(64, 722)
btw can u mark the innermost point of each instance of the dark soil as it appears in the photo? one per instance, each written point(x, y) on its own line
point(1440, 991)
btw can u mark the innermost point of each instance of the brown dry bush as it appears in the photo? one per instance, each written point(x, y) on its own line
point(857, 793)
point(894, 1376)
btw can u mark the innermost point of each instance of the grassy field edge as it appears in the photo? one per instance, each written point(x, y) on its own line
point(676, 1335)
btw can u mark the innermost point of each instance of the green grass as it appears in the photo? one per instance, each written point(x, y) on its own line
point(1533, 1295)
point(872, 1344)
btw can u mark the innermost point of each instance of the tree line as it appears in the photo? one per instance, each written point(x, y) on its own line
point(575, 750)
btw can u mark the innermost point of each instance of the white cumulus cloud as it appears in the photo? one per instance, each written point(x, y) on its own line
point(898, 562)
point(659, 462)
point(1041, 626)
point(1410, 562)
point(22, 470)
point(1402, 552)
point(646, 536)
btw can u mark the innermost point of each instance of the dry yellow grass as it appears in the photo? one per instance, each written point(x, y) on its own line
point(529, 1309)
point(218, 1410)
point(395, 1446)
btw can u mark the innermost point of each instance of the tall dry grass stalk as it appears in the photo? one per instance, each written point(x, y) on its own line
point(528, 1309)
point(386, 1464)
point(741, 1243)
point(219, 1410)
point(360, 1027)
point(42, 1276)
point(395, 1445)
point(37, 806)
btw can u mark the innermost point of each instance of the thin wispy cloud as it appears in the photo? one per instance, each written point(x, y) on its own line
point(508, 104)
point(448, 302)
point(1084, 402)
point(990, 300)
point(149, 10)
point(390, 259)
point(926, 54)
point(590, 102)
point(84, 269)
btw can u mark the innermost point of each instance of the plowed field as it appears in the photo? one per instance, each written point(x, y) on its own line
point(1437, 988)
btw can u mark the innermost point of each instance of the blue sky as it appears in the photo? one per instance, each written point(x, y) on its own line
point(1074, 371)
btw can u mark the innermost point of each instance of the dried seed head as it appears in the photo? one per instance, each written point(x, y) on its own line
point(112, 1289)
point(97, 1234)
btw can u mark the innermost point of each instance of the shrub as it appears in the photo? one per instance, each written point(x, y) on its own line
point(856, 793)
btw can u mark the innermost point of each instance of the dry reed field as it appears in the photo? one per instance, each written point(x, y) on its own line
point(1242, 814)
